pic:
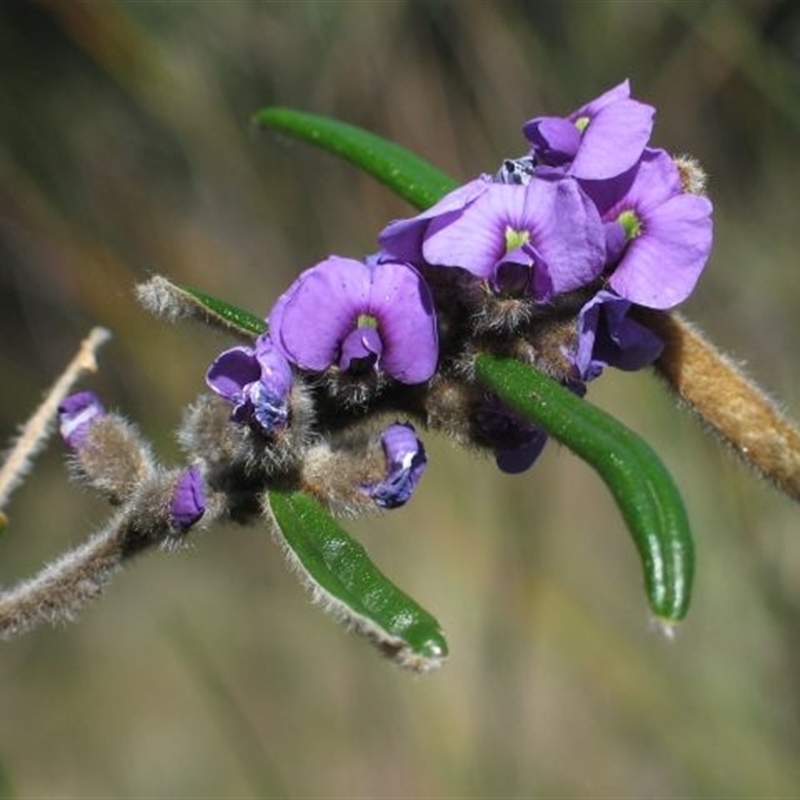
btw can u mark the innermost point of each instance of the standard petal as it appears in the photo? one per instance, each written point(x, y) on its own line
point(622, 91)
point(402, 239)
point(315, 315)
point(231, 371)
point(401, 302)
point(476, 241)
point(613, 140)
point(661, 267)
point(568, 233)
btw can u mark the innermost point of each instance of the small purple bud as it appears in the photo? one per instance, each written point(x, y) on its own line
point(76, 415)
point(405, 463)
point(188, 502)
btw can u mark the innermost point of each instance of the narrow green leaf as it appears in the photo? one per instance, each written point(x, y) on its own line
point(232, 317)
point(342, 577)
point(643, 489)
point(404, 172)
point(3, 522)
point(162, 297)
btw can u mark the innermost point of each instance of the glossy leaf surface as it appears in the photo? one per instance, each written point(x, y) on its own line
point(346, 582)
point(643, 489)
point(402, 171)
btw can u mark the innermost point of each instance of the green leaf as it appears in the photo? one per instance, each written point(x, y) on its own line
point(3, 522)
point(404, 172)
point(643, 489)
point(348, 585)
point(162, 297)
point(228, 316)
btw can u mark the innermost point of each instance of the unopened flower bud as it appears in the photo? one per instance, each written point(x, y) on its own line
point(188, 502)
point(76, 415)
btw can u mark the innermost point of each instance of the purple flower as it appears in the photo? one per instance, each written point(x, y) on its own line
point(516, 442)
point(359, 317)
point(405, 463)
point(607, 336)
point(188, 501)
point(658, 237)
point(256, 381)
point(600, 140)
point(76, 415)
point(540, 239)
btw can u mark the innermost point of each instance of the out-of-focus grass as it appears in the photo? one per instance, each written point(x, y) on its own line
point(125, 148)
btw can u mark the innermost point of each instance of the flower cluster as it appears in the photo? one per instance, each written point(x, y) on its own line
point(547, 260)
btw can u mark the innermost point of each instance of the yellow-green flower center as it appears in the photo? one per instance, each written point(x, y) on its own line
point(515, 239)
point(631, 224)
point(366, 321)
point(582, 123)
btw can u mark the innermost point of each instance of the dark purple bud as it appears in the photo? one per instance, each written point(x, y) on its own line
point(188, 501)
point(405, 463)
point(516, 442)
point(76, 415)
point(607, 336)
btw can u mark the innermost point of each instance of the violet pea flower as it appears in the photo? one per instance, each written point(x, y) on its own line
point(359, 317)
point(658, 236)
point(256, 381)
point(540, 239)
point(600, 140)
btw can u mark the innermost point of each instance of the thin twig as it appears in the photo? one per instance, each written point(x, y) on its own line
point(35, 432)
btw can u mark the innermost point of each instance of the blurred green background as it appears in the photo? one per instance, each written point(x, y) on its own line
point(126, 149)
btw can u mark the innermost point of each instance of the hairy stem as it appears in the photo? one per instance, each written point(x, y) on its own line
point(63, 587)
point(731, 404)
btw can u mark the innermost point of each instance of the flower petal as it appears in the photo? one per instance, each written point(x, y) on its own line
point(76, 414)
point(312, 318)
point(569, 234)
point(607, 336)
point(402, 238)
point(476, 239)
point(613, 140)
point(554, 140)
point(231, 371)
point(401, 302)
point(660, 268)
point(276, 372)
